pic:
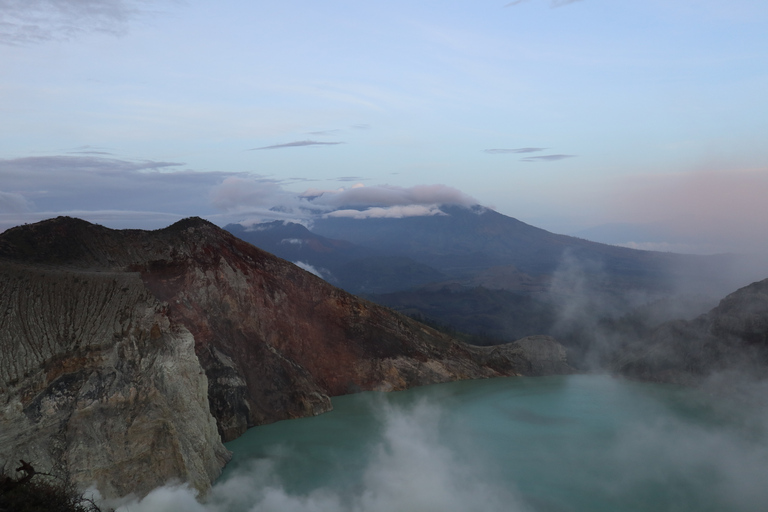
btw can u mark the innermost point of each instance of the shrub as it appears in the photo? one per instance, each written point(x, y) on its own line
point(41, 492)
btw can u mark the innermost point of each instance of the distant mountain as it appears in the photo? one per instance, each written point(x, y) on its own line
point(466, 242)
point(355, 268)
point(494, 277)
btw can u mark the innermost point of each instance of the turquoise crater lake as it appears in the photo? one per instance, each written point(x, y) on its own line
point(552, 444)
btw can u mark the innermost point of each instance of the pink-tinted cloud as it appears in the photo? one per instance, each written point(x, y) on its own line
point(727, 209)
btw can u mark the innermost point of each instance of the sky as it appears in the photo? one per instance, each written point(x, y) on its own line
point(640, 122)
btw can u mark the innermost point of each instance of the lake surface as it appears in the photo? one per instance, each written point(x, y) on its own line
point(551, 444)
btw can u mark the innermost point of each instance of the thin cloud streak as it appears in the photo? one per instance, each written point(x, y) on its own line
point(501, 151)
point(19, 168)
point(323, 133)
point(298, 143)
point(547, 158)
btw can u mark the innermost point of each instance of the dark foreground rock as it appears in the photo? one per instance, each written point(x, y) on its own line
point(126, 357)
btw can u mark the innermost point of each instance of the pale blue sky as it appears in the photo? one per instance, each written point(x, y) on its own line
point(634, 111)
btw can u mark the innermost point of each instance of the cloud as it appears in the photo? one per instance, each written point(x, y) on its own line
point(250, 193)
point(361, 126)
point(387, 195)
point(14, 203)
point(55, 164)
point(89, 150)
point(264, 199)
point(722, 209)
point(325, 132)
point(61, 185)
point(546, 158)
point(35, 21)
point(518, 150)
point(298, 143)
point(309, 268)
point(349, 178)
point(392, 212)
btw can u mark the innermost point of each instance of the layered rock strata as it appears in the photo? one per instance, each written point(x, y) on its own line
point(126, 357)
point(97, 384)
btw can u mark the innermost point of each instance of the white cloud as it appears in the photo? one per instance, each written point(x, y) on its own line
point(121, 192)
point(309, 268)
point(244, 195)
point(388, 195)
point(392, 212)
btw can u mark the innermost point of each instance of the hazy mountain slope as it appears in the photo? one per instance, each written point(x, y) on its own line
point(109, 335)
point(355, 268)
point(491, 316)
point(466, 240)
point(732, 337)
point(519, 278)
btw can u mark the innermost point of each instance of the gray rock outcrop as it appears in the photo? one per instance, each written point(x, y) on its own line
point(732, 337)
point(96, 383)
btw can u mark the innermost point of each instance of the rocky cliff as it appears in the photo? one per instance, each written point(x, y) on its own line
point(126, 357)
point(96, 383)
point(733, 337)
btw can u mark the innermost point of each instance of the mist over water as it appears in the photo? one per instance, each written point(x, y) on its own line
point(577, 443)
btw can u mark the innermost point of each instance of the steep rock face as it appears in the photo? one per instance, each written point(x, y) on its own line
point(95, 383)
point(192, 317)
point(731, 337)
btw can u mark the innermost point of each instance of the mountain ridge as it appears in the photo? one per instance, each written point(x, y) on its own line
point(261, 340)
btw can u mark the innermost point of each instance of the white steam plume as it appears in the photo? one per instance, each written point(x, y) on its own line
point(409, 470)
